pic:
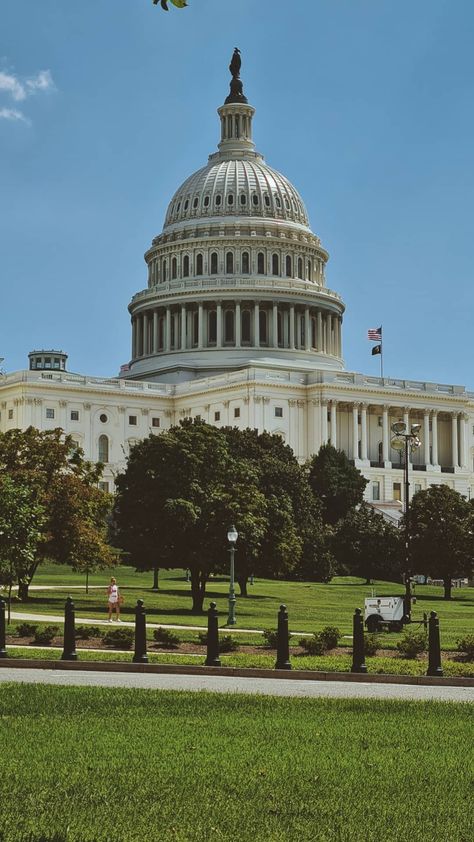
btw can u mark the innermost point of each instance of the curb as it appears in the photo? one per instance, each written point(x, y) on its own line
point(235, 672)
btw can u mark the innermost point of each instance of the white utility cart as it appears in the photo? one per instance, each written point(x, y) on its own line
point(384, 612)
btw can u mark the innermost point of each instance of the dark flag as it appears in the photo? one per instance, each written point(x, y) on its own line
point(377, 349)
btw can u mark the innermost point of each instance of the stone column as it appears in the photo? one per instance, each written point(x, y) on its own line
point(454, 440)
point(275, 325)
point(426, 436)
point(155, 332)
point(307, 330)
point(183, 328)
point(434, 436)
point(355, 430)
point(139, 335)
point(363, 432)
point(168, 330)
point(134, 338)
point(200, 326)
point(319, 331)
point(334, 423)
point(462, 440)
point(292, 326)
point(324, 422)
point(385, 435)
point(330, 335)
point(238, 325)
point(219, 325)
point(256, 325)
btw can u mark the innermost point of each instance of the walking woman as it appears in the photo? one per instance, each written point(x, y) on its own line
point(113, 597)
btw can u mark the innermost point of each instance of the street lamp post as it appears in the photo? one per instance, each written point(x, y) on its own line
point(409, 442)
point(232, 536)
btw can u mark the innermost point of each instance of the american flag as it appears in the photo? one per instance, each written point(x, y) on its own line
point(375, 334)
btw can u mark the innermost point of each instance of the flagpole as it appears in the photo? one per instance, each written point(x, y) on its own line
point(381, 351)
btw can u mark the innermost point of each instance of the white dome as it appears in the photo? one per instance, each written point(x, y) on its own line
point(237, 188)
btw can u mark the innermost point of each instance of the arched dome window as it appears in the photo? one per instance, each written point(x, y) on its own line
point(164, 271)
point(230, 199)
point(218, 199)
point(229, 335)
point(186, 204)
point(229, 263)
point(245, 263)
point(195, 202)
point(199, 269)
point(275, 264)
point(309, 273)
point(300, 268)
point(287, 204)
point(277, 201)
point(103, 449)
point(246, 327)
point(267, 200)
point(174, 268)
point(243, 199)
point(255, 199)
point(212, 327)
point(261, 263)
point(214, 263)
point(262, 320)
point(186, 266)
point(289, 268)
point(178, 208)
point(206, 201)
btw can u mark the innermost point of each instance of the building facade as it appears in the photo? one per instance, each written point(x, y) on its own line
point(237, 325)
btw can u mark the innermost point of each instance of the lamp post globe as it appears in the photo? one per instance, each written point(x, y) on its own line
point(232, 536)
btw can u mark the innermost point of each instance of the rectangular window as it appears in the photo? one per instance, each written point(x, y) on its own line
point(74, 415)
point(104, 486)
point(217, 416)
point(49, 413)
point(10, 414)
point(155, 422)
point(237, 412)
point(397, 491)
point(278, 412)
point(375, 491)
point(132, 420)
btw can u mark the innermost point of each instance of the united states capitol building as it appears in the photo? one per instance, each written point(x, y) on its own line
point(238, 326)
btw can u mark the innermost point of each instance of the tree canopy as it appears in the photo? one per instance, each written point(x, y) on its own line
point(335, 482)
point(365, 544)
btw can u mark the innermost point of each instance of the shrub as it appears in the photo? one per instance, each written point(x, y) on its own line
point(119, 638)
point(466, 646)
point(26, 629)
point(202, 638)
point(166, 638)
point(45, 635)
point(371, 644)
point(227, 643)
point(270, 637)
point(86, 632)
point(330, 636)
point(412, 644)
point(313, 645)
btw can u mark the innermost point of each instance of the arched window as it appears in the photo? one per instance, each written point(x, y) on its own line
point(214, 263)
point(309, 273)
point(255, 199)
point(261, 263)
point(230, 199)
point(164, 271)
point(229, 326)
point(246, 327)
point(243, 199)
point(186, 204)
point(245, 263)
point(277, 201)
point(174, 268)
point(206, 201)
point(229, 263)
point(218, 200)
point(195, 202)
point(186, 266)
point(103, 449)
point(262, 317)
point(289, 269)
point(275, 264)
point(212, 327)
point(267, 200)
point(199, 264)
point(300, 268)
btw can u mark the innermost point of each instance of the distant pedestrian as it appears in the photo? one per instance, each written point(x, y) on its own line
point(113, 597)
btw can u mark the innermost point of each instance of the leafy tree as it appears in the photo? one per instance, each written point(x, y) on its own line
point(441, 534)
point(177, 498)
point(365, 544)
point(21, 521)
point(64, 485)
point(337, 484)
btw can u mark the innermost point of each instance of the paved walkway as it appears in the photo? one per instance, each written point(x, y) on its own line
point(230, 684)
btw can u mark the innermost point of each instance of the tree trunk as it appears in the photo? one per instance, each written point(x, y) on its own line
point(155, 587)
point(368, 580)
point(23, 591)
point(198, 590)
point(243, 585)
point(447, 587)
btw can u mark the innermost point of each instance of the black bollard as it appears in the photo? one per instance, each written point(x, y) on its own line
point(69, 650)
point(3, 648)
point(358, 654)
point(283, 641)
point(212, 658)
point(140, 656)
point(434, 646)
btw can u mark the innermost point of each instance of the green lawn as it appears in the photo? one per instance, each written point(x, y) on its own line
point(100, 765)
point(310, 605)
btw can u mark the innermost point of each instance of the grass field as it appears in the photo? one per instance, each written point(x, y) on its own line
point(105, 765)
point(310, 605)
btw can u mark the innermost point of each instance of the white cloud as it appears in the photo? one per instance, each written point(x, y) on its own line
point(12, 85)
point(43, 81)
point(12, 114)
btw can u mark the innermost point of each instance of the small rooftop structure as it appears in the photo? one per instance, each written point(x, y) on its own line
point(47, 360)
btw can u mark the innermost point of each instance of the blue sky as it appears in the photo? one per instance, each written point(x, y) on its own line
point(106, 106)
